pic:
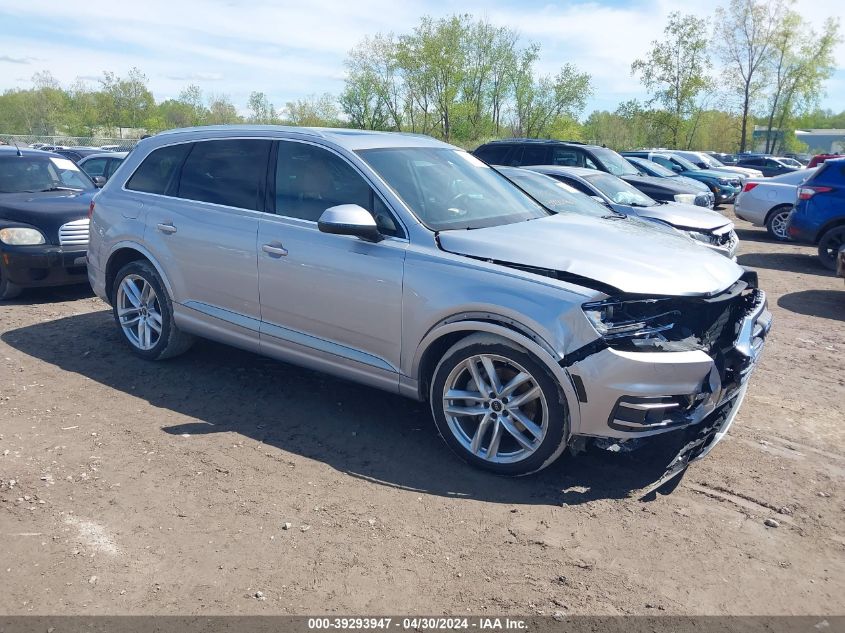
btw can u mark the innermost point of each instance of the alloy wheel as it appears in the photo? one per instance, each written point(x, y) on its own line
point(139, 312)
point(779, 224)
point(495, 408)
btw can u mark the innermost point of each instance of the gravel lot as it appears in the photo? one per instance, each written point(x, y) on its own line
point(190, 486)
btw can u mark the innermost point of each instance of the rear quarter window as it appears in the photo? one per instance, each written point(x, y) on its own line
point(493, 154)
point(156, 172)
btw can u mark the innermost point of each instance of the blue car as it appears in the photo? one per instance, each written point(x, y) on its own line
point(819, 215)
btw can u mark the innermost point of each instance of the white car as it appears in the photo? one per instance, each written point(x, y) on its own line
point(706, 161)
point(768, 201)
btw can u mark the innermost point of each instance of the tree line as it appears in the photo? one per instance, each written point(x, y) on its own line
point(466, 80)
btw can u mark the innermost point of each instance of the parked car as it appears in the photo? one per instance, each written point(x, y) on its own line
point(724, 186)
point(703, 160)
point(651, 168)
point(791, 162)
point(819, 215)
point(770, 165)
point(725, 159)
point(526, 152)
point(76, 154)
point(768, 202)
point(101, 165)
point(708, 228)
point(818, 159)
point(44, 203)
point(802, 159)
point(407, 264)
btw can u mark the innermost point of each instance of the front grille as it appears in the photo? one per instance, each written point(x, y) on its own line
point(74, 233)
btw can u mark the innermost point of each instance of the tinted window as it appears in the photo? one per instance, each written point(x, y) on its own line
point(614, 163)
point(310, 179)
point(533, 155)
point(113, 165)
point(95, 166)
point(493, 154)
point(575, 184)
point(156, 172)
point(28, 173)
point(228, 172)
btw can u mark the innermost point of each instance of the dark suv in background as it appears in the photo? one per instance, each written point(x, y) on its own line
point(524, 152)
point(819, 214)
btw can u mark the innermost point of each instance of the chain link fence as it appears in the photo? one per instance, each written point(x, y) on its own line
point(30, 140)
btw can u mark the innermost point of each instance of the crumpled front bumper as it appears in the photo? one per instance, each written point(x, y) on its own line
point(630, 395)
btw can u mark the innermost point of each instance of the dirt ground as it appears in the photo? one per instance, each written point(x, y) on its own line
point(190, 486)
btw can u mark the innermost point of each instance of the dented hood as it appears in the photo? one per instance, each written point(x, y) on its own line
point(680, 215)
point(628, 254)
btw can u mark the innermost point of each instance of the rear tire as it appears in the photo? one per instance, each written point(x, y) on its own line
point(829, 245)
point(143, 312)
point(776, 222)
point(513, 421)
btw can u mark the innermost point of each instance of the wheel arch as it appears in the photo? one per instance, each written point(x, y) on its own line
point(122, 254)
point(775, 208)
point(443, 336)
point(834, 223)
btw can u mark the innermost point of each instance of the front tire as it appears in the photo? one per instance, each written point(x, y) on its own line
point(829, 245)
point(497, 407)
point(143, 312)
point(776, 222)
point(8, 290)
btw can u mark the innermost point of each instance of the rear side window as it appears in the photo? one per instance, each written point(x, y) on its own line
point(158, 169)
point(493, 154)
point(532, 155)
point(229, 172)
point(95, 166)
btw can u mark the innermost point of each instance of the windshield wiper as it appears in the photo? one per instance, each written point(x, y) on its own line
point(60, 189)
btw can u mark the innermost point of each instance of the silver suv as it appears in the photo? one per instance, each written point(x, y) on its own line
point(407, 264)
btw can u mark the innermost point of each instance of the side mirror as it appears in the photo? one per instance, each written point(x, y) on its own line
point(676, 169)
point(349, 219)
point(99, 181)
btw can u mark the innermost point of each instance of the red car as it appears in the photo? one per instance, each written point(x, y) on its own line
point(820, 158)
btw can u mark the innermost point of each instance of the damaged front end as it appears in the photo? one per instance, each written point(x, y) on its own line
point(668, 363)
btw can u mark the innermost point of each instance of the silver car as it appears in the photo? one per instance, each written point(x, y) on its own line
point(709, 228)
point(406, 264)
point(769, 201)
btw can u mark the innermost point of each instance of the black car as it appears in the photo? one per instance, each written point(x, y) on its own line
point(522, 152)
point(76, 154)
point(769, 165)
point(44, 204)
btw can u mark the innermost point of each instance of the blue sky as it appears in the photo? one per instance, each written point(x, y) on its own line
point(292, 49)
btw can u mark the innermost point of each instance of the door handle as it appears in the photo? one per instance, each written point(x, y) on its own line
point(166, 228)
point(275, 250)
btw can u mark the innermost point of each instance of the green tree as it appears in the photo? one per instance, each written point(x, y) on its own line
point(260, 108)
point(313, 111)
point(675, 71)
point(743, 36)
point(540, 102)
point(221, 110)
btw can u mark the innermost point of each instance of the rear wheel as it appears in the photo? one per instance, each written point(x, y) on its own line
point(829, 245)
point(776, 222)
point(497, 407)
point(144, 313)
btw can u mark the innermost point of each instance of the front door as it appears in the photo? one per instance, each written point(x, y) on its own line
point(333, 302)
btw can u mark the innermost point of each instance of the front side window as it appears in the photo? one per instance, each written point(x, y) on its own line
point(230, 172)
point(113, 165)
point(156, 173)
point(614, 163)
point(30, 174)
point(619, 191)
point(685, 164)
point(450, 189)
point(310, 179)
point(532, 155)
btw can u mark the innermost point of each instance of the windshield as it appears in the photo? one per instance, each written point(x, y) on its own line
point(614, 163)
point(712, 162)
point(555, 195)
point(652, 168)
point(449, 189)
point(619, 191)
point(29, 174)
point(683, 162)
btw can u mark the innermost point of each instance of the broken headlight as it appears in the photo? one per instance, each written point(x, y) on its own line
point(704, 238)
point(635, 319)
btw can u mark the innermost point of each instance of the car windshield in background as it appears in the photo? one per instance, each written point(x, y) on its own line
point(711, 162)
point(614, 163)
point(619, 191)
point(654, 169)
point(554, 194)
point(450, 189)
point(683, 162)
point(31, 174)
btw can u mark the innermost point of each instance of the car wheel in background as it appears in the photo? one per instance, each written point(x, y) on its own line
point(497, 407)
point(776, 222)
point(8, 290)
point(144, 313)
point(829, 246)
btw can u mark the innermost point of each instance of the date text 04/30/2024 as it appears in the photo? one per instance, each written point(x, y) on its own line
point(416, 623)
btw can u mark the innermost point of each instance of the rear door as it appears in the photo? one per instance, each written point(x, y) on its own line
point(204, 231)
point(329, 300)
